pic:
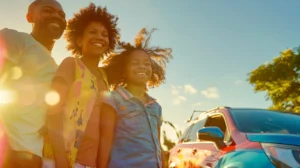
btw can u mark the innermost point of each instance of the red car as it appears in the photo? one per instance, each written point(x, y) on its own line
point(239, 138)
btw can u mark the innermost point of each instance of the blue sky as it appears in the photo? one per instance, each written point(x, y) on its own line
point(215, 44)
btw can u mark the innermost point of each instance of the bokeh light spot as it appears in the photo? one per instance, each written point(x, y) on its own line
point(52, 98)
point(16, 73)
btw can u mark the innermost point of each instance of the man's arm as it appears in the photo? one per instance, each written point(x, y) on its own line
point(12, 46)
point(5, 70)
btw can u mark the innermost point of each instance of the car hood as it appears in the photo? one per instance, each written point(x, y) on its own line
point(286, 139)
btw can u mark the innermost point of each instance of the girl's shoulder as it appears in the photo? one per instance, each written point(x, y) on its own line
point(68, 61)
point(153, 101)
point(112, 98)
point(66, 70)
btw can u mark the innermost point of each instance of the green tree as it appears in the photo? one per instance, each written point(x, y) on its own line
point(280, 79)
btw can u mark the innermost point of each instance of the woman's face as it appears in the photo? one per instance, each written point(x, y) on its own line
point(94, 41)
point(138, 69)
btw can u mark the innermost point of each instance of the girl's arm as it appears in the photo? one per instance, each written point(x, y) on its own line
point(159, 132)
point(107, 126)
point(60, 85)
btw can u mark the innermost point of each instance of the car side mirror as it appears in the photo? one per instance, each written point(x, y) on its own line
point(213, 134)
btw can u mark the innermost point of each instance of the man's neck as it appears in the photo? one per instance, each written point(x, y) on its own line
point(48, 43)
point(136, 90)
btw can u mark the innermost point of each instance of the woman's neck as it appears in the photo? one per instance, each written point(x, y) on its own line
point(90, 61)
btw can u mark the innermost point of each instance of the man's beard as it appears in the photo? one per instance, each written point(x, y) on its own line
point(49, 31)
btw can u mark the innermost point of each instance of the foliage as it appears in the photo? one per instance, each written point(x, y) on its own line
point(167, 142)
point(280, 79)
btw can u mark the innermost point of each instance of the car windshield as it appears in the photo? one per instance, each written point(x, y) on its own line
point(265, 121)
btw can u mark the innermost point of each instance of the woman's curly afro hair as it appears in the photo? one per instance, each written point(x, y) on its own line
point(83, 18)
point(114, 65)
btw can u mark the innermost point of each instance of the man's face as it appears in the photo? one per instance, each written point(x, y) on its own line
point(49, 19)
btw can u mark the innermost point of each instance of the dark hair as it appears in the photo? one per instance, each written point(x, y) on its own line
point(83, 18)
point(114, 65)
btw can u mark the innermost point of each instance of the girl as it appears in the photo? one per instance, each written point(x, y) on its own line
point(130, 118)
point(73, 124)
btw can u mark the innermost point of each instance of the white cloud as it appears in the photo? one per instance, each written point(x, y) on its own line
point(238, 82)
point(197, 104)
point(189, 89)
point(179, 99)
point(211, 93)
point(182, 98)
point(175, 90)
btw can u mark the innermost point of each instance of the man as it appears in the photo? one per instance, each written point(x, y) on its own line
point(31, 54)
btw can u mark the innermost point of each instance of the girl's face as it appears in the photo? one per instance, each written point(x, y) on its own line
point(138, 69)
point(94, 41)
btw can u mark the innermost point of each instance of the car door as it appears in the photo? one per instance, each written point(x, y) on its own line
point(204, 153)
point(176, 157)
point(181, 155)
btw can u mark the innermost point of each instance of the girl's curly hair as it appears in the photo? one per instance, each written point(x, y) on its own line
point(114, 65)
point(83, 18)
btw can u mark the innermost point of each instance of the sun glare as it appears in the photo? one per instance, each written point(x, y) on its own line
point(6, 96)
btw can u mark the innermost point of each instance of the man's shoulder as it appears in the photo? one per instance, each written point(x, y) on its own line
point(11, 33)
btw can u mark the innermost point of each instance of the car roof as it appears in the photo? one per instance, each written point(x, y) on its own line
point(220, 110)
point(205, 113)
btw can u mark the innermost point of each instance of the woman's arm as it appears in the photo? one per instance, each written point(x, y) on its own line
point(107, 126)
point(55, 125)
point(60, 85)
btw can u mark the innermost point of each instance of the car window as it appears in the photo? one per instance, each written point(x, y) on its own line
point(266, 121)
point(185, 133)
point(192, 134)
point(218, 121)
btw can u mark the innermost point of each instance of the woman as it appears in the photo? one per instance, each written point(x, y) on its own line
point(73, 124)
point(130, 119)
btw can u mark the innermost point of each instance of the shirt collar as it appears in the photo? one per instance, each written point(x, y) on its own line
point(127, 95)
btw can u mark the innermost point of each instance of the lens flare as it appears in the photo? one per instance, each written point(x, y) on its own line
point(6, 96)
point(2, 54)
point(16, 73)
point(52, 98)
